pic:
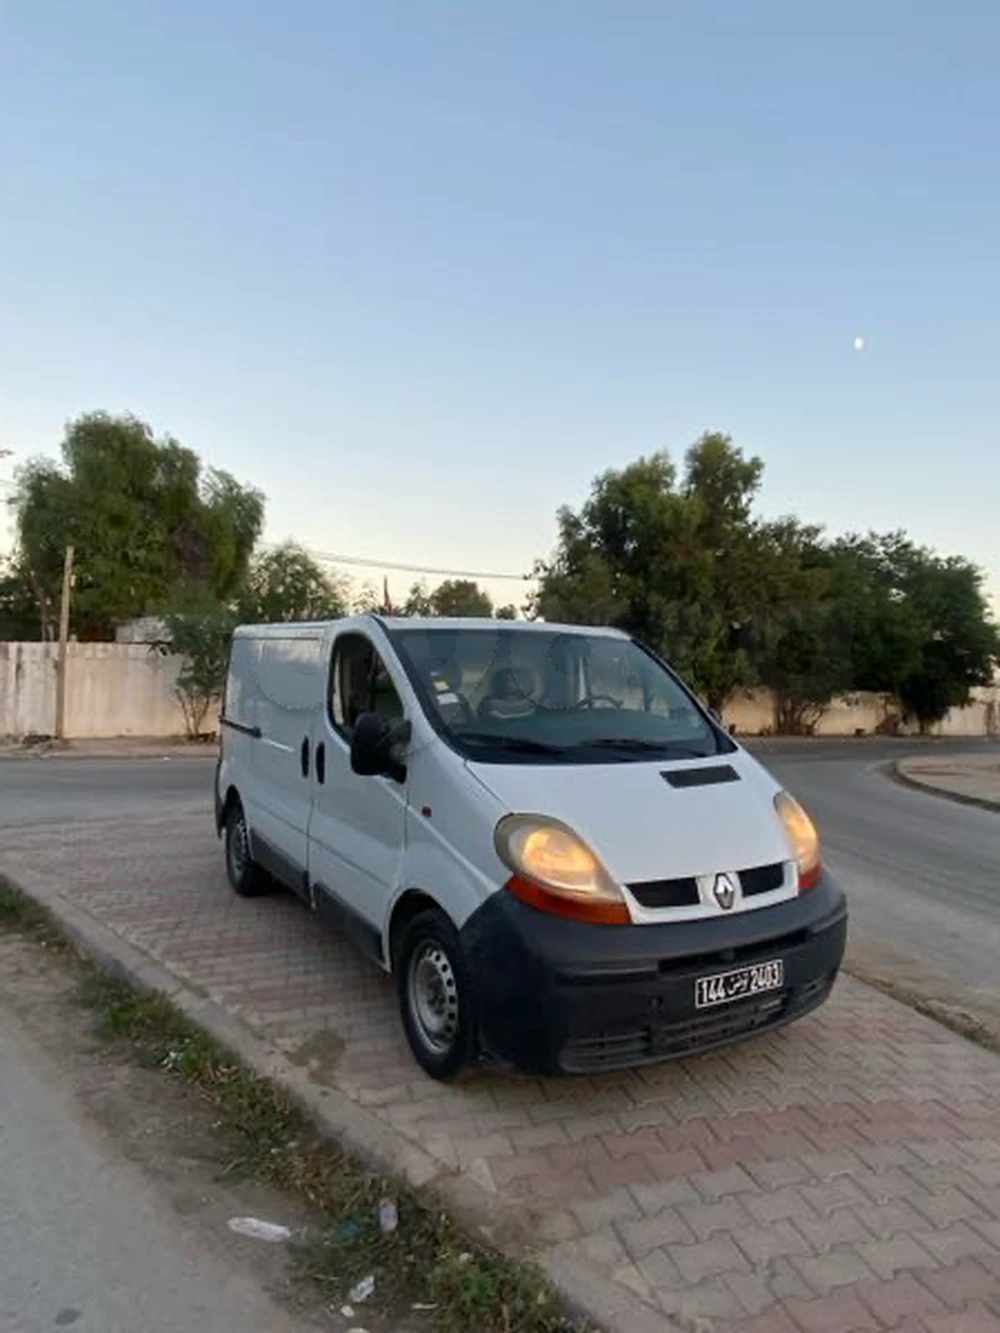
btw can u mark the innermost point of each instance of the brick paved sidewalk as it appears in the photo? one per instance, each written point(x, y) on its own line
point(841, 1175)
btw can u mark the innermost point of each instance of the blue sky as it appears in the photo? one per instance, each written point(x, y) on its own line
point(420, 270)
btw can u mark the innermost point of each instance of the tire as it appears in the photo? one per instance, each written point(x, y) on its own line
point(436, 1000)
point(245, 876)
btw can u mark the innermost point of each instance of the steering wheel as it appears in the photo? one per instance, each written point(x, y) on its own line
point(591, 699)
point(485, 709)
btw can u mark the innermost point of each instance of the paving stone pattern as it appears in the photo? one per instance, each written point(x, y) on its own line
point(841, 1175)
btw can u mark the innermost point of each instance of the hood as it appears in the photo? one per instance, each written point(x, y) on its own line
point(643, 827)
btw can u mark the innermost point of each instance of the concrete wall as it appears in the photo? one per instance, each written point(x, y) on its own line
point(111, 690)
point(123, 689)
point(752, 712)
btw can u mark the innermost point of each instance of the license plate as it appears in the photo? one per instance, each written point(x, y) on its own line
point(725, 987)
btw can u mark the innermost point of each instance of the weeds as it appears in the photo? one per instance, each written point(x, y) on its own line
point(426, 1261)
point(25, 916)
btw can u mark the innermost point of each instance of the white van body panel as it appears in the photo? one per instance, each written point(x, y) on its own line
point(274, 688)
point(449, 851)
point(365, 842)
point(695, 845)
point(357, 833)
point(640, 826)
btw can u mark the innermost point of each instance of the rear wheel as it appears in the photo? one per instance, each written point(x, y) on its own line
point(435, 995)
point(245, 876)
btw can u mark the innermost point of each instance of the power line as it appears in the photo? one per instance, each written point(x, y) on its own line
point(410, 569)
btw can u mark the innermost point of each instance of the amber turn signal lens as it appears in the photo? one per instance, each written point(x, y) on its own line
point(555, 871)
point(803, 838)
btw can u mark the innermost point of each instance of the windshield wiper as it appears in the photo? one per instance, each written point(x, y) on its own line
point(636, 743)
point(523, 743)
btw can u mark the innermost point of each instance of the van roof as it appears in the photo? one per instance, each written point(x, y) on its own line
point(313, 628)
point(484, 622)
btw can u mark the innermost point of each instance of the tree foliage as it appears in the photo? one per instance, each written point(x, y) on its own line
point(418, 601)
point(20, 616)
point(682, 562)
point(148, 524)
point(285, 584)
point(282, 585)
point(920, 623)
point(453, 597)
point(679, 562)
point(201, 637)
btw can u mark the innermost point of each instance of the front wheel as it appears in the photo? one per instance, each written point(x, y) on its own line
point(245, 876)
point(435, 995)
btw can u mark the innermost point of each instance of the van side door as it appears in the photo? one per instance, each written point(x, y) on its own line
point(358, 824)
point(288, 685)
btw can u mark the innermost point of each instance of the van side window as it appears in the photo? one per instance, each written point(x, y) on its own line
point(360, 683)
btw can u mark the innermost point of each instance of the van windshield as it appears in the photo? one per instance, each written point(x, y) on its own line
point(509, 695)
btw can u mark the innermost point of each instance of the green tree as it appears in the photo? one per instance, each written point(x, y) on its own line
point(679, 562)
point(918, 624)
point(418, 601)
point(508, 612)
point(367, 600)
point(201, 636)
point(884, 634)
point(799, 642)
point(282, 585)
point(288, 584)
point(148, 524)
point(20, 614)
point(806, 662)
point(460, 597)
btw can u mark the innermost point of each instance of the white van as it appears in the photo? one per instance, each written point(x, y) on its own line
point(566, 862)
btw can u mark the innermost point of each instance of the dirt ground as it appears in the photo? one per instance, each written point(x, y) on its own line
point(160, 1126)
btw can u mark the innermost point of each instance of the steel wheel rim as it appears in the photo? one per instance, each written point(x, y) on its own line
point(433, 995)
point(238, 849)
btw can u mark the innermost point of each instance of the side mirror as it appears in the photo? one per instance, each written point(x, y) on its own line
point(373, 747)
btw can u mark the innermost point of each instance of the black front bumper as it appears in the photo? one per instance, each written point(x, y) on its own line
point(556, 996)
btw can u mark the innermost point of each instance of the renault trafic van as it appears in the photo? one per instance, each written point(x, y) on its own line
point(566, 862)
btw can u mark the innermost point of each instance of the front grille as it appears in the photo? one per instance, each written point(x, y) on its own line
point(666, 892)
point(683, 892)
point(700, 1032)
point(604, 1050)
point(762, 879)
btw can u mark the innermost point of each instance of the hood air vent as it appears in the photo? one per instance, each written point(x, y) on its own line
point(700, 777)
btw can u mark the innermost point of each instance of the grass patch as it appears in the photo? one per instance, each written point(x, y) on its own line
point(24, 915)
point(426, 1260)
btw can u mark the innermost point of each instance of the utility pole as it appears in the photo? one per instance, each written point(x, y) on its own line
point(67, 592)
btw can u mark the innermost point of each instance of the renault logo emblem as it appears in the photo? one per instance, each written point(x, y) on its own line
point(724, 892)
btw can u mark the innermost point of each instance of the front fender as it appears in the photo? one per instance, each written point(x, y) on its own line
point(432, 865)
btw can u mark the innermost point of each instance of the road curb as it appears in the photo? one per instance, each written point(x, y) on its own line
point(374, 1143)
point(894, 771)
point(42, 755)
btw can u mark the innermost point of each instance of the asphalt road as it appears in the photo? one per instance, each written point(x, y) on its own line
point(85, 1242)
point(922, 873)
point(46, 790)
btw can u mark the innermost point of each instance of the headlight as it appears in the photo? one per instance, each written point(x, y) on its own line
point(803, 837)
point(555, 871)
